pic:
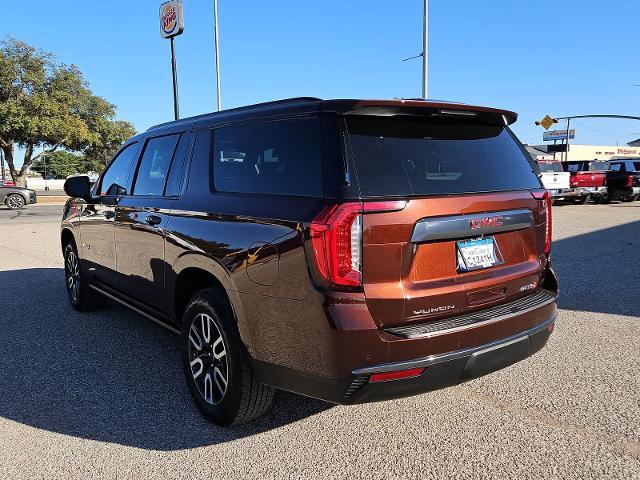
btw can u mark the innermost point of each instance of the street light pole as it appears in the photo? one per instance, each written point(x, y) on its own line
point(215, 27)
point(425, 49)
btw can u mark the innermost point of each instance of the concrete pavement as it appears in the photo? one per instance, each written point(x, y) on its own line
point(101, 395)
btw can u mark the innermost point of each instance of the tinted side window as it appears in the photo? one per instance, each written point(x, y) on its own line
point(615, 167)
point(280, 157)
point(176, 172)
point(117, 179)
point(154, 166)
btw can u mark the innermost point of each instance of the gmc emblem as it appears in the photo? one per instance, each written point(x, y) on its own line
point(477, 223)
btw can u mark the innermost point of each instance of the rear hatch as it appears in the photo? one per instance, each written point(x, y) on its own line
point(471, 233)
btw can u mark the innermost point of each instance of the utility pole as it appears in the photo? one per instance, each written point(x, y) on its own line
point(2, 164)
point(215, 27)
point(46, 185)
point(566, 154)
point(425, 49)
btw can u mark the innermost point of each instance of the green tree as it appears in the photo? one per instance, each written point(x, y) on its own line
point(59, 164)
point(48, 106)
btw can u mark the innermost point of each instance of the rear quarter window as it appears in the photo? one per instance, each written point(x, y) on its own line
point(277, 157)
point(418, 156)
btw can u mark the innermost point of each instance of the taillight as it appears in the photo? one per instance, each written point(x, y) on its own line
point(336, 238)
point(546, 198)
point(629, 181)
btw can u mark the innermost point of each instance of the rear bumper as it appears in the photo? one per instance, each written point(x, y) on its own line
point(449, 368)
point(564, 193)
point(337, 364)
point(440, 371)
point(602, 191)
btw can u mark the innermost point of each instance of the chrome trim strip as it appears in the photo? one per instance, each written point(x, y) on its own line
point(137, 310)
point(458, 226)
point(454, 355)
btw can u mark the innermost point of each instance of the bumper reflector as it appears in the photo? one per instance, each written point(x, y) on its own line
point(382, 377)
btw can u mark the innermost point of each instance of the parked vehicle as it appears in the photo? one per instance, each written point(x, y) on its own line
point(590, 176)
point(556, 181)
point(17, 197)
point(348, 250)
point(623, 179)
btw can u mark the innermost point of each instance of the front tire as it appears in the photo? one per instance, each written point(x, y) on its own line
point(14, 201)
point(81, 297)
point(216, 365)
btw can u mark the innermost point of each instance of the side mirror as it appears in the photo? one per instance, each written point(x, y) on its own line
point(78, 187)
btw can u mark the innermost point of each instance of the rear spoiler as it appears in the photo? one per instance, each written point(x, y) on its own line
point(387, 108)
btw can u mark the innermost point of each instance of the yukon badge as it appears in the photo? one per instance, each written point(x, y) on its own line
point(431, 311)
point(476, 223)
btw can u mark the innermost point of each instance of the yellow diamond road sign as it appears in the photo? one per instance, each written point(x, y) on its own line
point(546, 122)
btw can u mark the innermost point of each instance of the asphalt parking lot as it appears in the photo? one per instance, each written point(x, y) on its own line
point(102, 394)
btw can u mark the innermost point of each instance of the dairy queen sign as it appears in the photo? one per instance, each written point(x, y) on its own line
point(171, 19)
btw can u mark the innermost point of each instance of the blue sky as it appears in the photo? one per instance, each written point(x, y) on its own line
point(560, 58)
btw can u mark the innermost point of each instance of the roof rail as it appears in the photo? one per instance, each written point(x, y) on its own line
point(237, 109)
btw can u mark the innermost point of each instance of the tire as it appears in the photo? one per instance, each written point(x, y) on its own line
point(237, 399)
point(80, 294)
point(15, 201)
point(580, 200)
point(628, 198)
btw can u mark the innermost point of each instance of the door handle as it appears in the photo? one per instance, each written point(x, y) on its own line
point(153, 219)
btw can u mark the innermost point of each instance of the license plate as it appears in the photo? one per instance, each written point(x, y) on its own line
point(553, 191)
point(476, 254)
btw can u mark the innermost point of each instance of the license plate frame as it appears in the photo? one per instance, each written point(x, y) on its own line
point(478, 254)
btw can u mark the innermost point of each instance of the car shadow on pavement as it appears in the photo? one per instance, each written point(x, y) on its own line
point(599, 271)
point(108, 375)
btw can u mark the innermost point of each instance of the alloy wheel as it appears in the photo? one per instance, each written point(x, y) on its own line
point(208, 358)
point(72, 270)
point(15, 201)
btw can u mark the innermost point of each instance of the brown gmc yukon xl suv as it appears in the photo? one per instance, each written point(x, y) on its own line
point(348, 250)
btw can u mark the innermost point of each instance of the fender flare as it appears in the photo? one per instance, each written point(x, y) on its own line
point(209, 264)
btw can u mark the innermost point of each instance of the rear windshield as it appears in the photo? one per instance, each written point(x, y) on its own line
point(417, 156)
point(593, 166)
point(550, 167)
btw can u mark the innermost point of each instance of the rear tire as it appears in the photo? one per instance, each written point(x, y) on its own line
point(15, 201)
point(80, 294)
point(216, 364)
point(580, 200)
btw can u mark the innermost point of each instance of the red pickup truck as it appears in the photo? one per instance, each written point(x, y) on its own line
point(589, 176)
